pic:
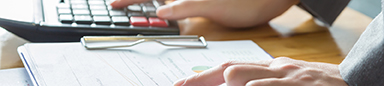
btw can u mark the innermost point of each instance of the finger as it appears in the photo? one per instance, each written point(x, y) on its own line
point(285, 60)
point(214, 76)
point(264, 63)
point(270, 82)
point(125, 3)
point(211, 77)
point(183, 9)
point(239, 75)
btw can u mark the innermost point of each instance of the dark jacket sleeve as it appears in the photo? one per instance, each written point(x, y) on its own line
point(324, 10)
point(364, 64)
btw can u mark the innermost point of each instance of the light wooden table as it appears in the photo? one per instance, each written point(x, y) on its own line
point(294, 34)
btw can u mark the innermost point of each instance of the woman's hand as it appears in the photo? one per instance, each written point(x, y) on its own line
point(277, 72)
point(231, 13)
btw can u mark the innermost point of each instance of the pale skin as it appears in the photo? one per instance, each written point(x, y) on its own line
point(247, 13)
point(230, 13)
point(277, 72)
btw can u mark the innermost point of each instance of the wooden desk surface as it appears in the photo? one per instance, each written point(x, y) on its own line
point(294, 34)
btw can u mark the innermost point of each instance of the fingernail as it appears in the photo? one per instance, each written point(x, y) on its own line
point(165, 11)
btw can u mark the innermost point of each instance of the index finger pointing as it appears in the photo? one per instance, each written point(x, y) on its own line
point(210, 77)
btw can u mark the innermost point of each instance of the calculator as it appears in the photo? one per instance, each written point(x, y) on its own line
point(69, 20)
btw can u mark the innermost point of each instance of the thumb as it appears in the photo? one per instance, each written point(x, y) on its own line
point(183, 9)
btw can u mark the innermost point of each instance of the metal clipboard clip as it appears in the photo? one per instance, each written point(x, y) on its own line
point(102, 42)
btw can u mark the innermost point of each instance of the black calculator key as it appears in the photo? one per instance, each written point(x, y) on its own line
point(100, 12)
point(135, 14)
point(151, 14)
point(120, 20)
point(83, 19)
point(66, 18)
point(81, 12)
point(105, 20)
point(64, 11)
point(79, 6)
point(134, 8)
point(117, 13)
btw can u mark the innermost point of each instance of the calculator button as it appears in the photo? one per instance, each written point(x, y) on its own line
point(151, 14)
point(108, 2)
point(157, 22)
point(79, 7)
point(135, 4)
point(161, 3)
point(148, 4)
point(134, 8)
point(120, 20)
point(139, 21)
point(83, 19)
point(149, 9)
point(79, 2)
point(63, 6)
point(97, 7)
point(117, 13)
point(66, 18)
point(135, 14)
point(96, 2)
point(81, 12)
point(64, 11)
point(105, 20)
point(100, 12)
point(109, 7)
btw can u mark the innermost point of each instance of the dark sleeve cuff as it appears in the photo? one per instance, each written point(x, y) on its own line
point(324, 10)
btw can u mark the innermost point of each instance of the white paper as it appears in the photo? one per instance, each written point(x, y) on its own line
point(14, 77)
point(147, 64)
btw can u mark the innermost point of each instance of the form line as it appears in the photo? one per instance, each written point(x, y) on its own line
point(130, 69)
point(65, 58)
point(125, 77)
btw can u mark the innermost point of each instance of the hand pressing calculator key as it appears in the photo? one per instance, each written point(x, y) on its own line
point(69, 20)
point(101, 13)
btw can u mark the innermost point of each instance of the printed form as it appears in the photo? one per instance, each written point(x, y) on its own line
point(147, 64)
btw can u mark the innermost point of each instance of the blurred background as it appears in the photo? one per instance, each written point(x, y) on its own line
point(368, 7)
point(346, 38)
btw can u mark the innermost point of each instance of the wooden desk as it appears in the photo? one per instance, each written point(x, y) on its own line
point(293, 34)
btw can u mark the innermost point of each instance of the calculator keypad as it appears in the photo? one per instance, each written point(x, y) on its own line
point(99, 12)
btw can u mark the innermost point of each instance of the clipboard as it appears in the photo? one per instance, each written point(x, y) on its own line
point(103, 42)
point(71, 64)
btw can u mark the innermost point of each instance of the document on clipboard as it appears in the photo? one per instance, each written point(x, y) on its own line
point(145, 64)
